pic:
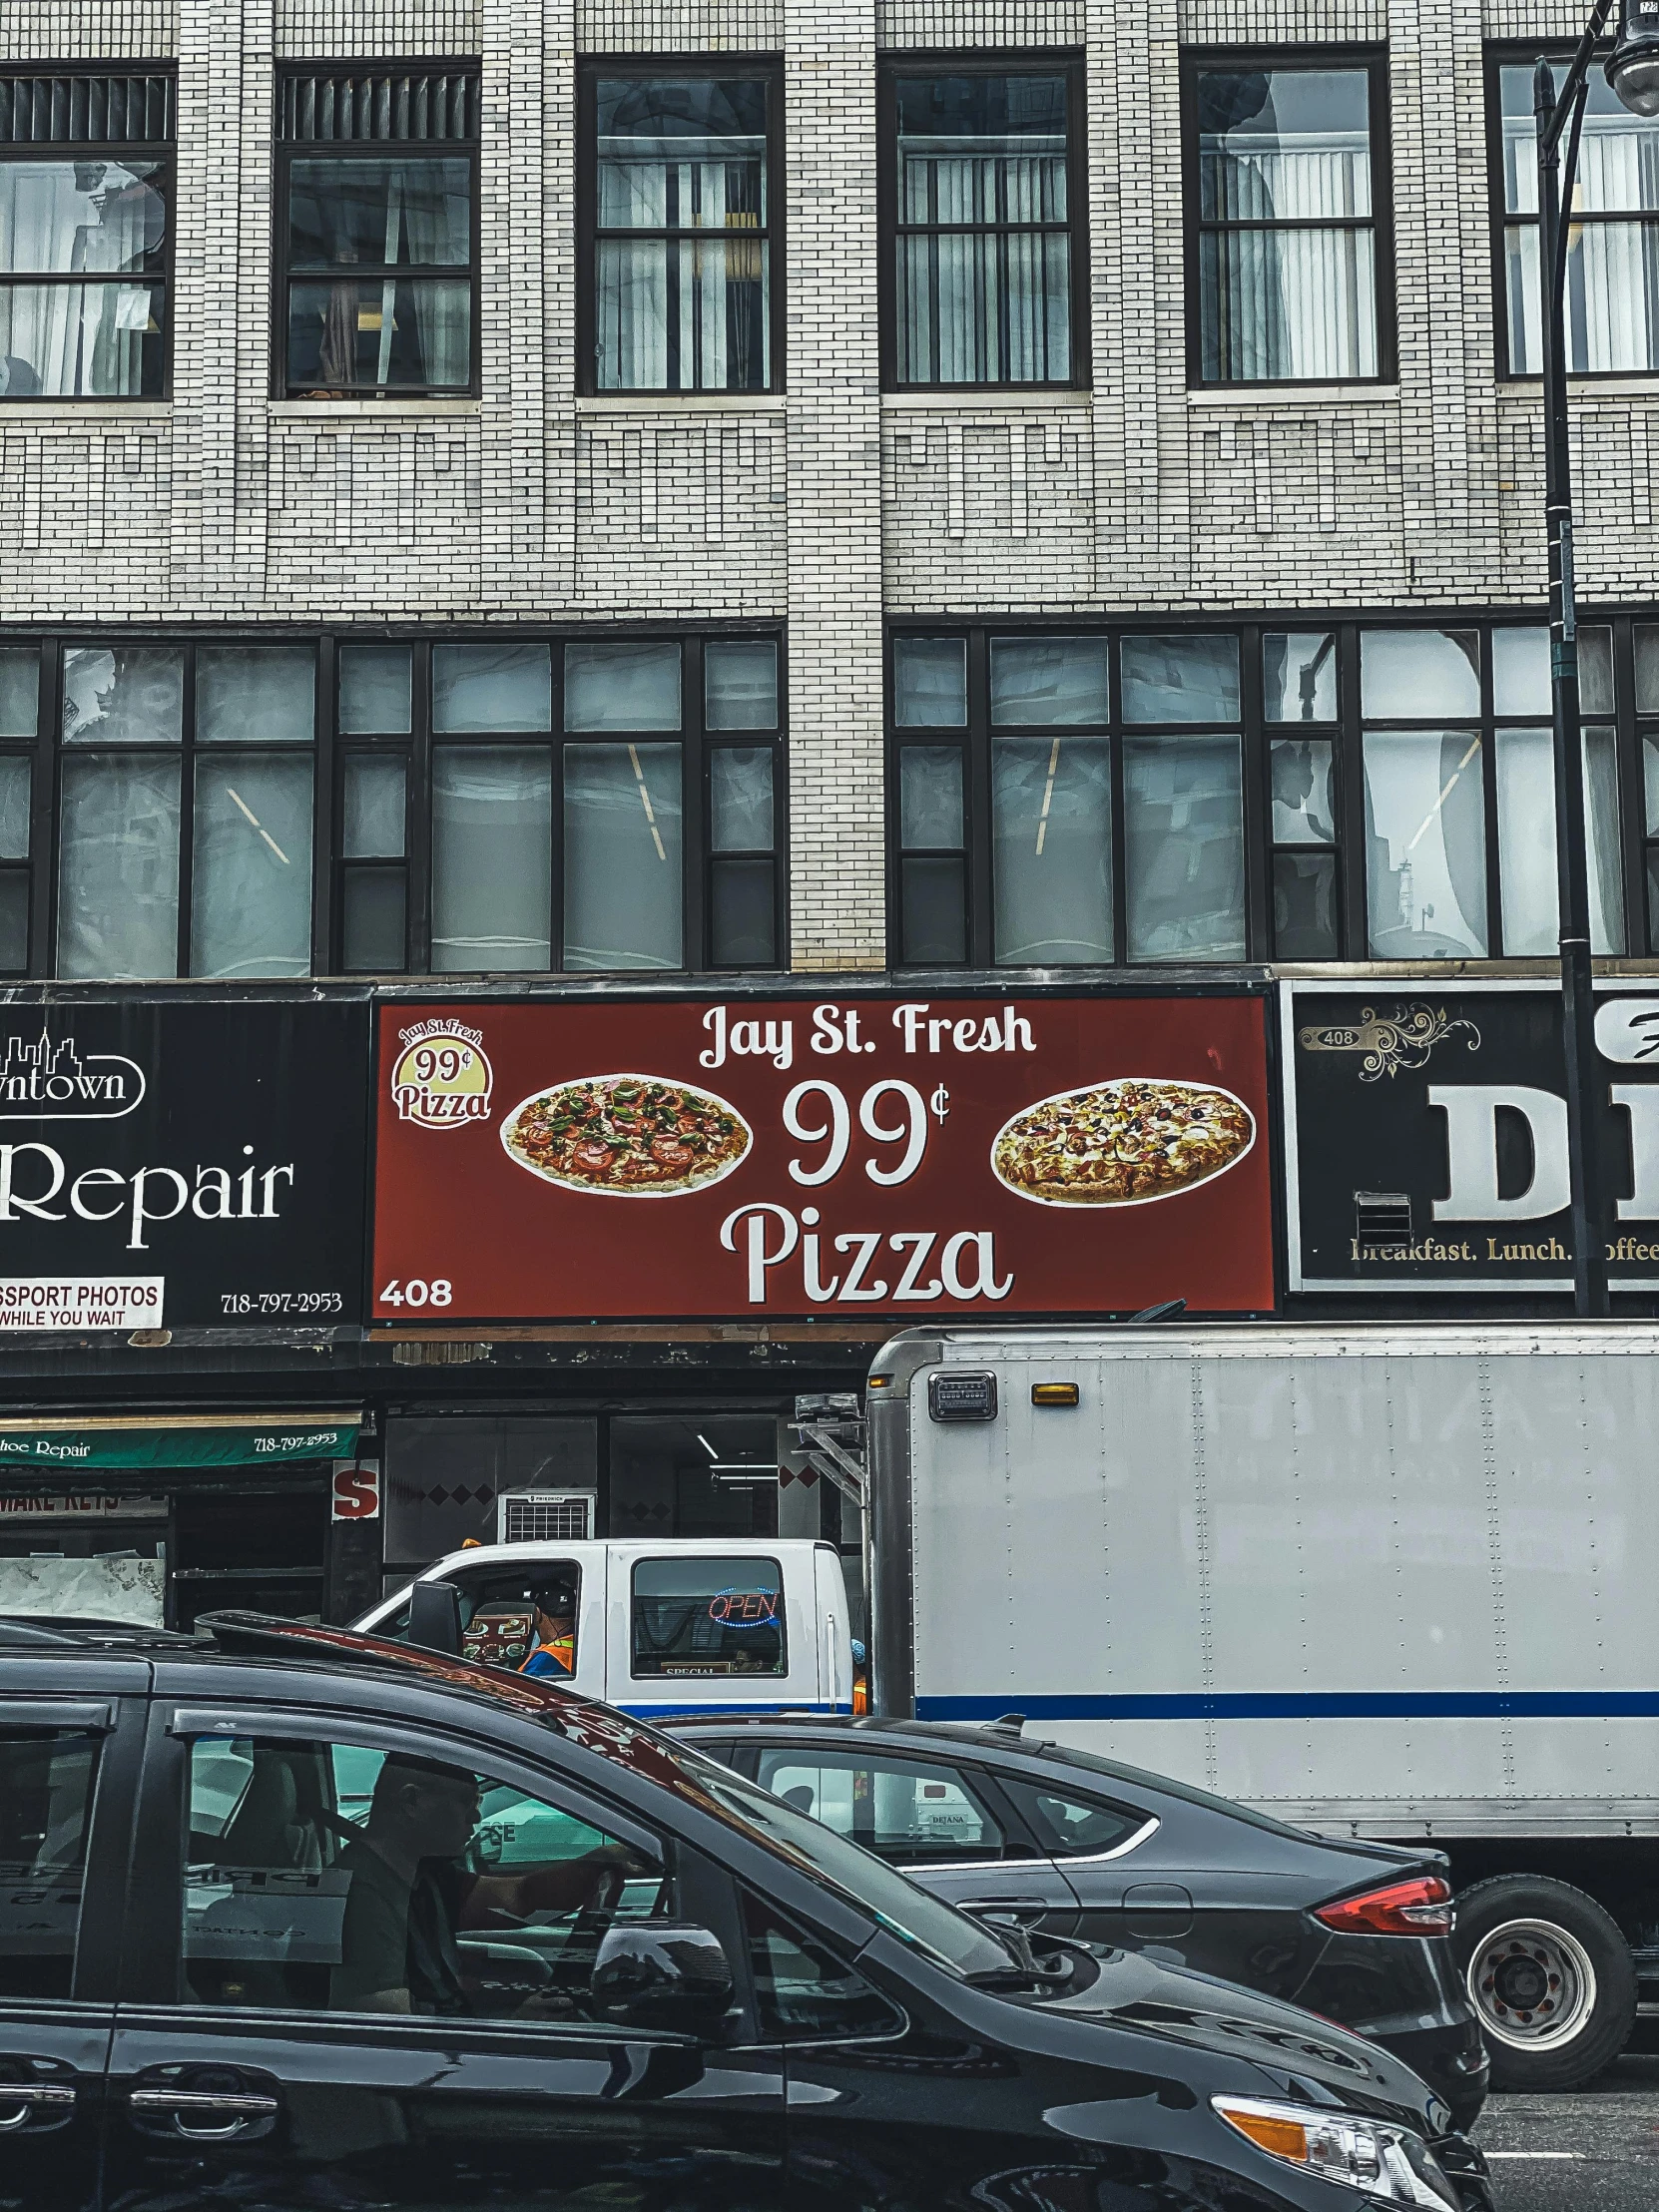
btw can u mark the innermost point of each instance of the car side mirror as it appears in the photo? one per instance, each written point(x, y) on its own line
point(668, 1975)
point(435, 1618)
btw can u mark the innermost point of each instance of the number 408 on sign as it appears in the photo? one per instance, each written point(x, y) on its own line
point(416, 1293)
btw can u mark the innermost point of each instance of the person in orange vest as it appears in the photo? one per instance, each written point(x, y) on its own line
point(554, 1650)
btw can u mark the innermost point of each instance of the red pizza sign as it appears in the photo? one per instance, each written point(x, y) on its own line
point(853, 1158)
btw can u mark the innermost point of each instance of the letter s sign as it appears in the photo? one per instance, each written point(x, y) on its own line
point(357, 1493)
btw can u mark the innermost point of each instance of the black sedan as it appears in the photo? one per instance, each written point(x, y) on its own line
point(1003, 1824)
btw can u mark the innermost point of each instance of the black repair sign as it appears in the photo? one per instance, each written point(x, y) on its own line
point(169, 1163)
point(1425, 1135)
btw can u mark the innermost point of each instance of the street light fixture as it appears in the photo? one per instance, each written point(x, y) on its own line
point(1633, 73)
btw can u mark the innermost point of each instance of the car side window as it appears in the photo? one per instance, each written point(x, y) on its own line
point(906, 1811)
point(1069, 1825)
point(803, 1990)
point(47, 1779)
point(327, 1877)
point(708, 1616)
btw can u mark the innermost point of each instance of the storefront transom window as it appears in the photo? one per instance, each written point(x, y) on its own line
point(1290, 791)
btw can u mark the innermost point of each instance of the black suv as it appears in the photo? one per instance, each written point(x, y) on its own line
point(296, 1920)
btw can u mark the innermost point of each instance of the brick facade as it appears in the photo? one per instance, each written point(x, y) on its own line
point(827, 505)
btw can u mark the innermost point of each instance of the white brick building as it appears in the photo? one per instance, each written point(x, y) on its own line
point(827, 509)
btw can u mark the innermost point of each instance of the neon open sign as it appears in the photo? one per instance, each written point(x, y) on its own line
point(744, 1609)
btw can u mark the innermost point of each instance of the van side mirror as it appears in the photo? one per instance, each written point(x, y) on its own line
point(435, 1618)
point(668, 1975)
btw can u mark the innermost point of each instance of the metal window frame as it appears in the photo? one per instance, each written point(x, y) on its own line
point(694, 738)
point(764, 68)
point(1373, 60)
point(1043, 61)
point(284, 154)
point(166, 152)
point(1345, 734)
point(53, 755)
point(1499, 55)
point(329, 749)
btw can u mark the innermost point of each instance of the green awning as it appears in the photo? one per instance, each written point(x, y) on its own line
point(210, 1440)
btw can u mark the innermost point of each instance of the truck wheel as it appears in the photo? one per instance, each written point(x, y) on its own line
point(1550, 1978)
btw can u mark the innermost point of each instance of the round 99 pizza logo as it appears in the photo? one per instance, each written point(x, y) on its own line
point(442, 1078)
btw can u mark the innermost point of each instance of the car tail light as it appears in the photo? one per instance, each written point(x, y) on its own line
point(1421, 1906)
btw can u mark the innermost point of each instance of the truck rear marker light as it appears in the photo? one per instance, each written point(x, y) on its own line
point(1054, 1394)
point(1420, 1906)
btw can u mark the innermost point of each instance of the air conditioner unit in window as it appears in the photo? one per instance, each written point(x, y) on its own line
point(544, 1516)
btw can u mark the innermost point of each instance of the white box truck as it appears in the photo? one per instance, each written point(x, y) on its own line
point(1378, 1581)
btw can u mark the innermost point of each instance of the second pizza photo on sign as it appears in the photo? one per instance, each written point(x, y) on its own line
point(1122, 1143)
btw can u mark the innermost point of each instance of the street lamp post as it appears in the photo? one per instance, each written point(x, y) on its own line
point(1633, 73)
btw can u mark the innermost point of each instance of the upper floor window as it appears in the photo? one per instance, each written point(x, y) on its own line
point(226, 806)
point(983, 225)
point(1288, 212)
point(376, 228)
point(86, 198)
point(679, 287)
point(1270, 791)
point(1612, 292)
point(185, 802)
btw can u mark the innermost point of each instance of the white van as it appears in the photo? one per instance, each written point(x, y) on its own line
point(662, 1629)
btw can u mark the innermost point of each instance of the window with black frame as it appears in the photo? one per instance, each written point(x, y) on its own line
point(376, 231)
point(1441, 764)
point(1299, 707)
point(86, 195)
point(1287, 204)
point(1296, 793)
point(1114, 833)
point(185, 783)
point(679, 232)
point(553, 815)
point(1646, 703)
point(19, 733)
point(986, 272)
point(1612, 277)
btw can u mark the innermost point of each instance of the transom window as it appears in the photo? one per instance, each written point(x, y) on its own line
point(273, 806)
point(680, 291)
point(1294, 791)
point(86, 198)
point(377, 233)
point(1288, 205)
point(1612, 289)
point(983, 205)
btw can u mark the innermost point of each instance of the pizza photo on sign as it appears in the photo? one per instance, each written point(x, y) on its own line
point(1123, 1143)
point(627, 1136)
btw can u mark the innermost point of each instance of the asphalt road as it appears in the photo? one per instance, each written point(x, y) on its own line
point(1594, 2151)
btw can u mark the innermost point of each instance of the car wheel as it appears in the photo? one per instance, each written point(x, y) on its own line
point(1550, 1978)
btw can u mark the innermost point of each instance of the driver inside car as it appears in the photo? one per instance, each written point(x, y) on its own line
point(411, 1894)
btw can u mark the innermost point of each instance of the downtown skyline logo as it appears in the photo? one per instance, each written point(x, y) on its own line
point(43, 1080)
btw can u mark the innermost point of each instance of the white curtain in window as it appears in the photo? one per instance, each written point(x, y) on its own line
point(1296, 302)
point(439, 226)
point(69, 338)
point(1526, 842)
point(1011, 280)
point(708, 293)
